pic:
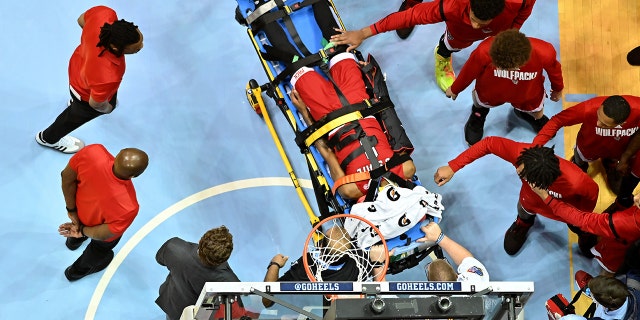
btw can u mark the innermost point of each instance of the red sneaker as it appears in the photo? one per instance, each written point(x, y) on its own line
point(582, 279)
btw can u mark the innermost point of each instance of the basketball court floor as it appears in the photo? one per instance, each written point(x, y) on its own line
point(212, 161)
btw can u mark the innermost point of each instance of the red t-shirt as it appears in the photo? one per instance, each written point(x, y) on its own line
point(594, 142)
point(523, 88)
point(92, 75)
point(612, 250)
point(101, 197)
point(572, 186)
point(321, 98)
point(456, 12)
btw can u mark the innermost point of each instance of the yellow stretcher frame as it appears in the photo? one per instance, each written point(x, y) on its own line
point(255, 98)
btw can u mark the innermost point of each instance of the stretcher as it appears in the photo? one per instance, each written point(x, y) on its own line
point(278, 27)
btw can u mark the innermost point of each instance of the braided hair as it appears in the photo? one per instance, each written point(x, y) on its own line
point(119, 34)
point(541, 166)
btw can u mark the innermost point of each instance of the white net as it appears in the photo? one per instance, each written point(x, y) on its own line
point(332, 255)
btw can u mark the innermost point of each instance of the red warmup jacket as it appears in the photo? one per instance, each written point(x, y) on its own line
point(572, 186)
point(617, 231)
point(456, 17)
point(523, 88)
point(594, 142)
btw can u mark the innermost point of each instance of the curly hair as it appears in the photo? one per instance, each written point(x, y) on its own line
point(541, 166)
point(610, 292)
point(510, 49)
point(215, 246)
point(616, 108)
point(487, 9)
point(116, 36)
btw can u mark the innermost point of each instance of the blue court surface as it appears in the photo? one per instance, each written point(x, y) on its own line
point(212, 161)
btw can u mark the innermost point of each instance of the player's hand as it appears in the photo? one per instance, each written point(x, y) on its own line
point(443, 175)
point(431, 232)
point(450, 94)
point(297, 100)
point(542, 193)
point(352, 38)
point(377, 253)
point(69, 230)
point(555, 95)
point(280, 259)
point(636, 200)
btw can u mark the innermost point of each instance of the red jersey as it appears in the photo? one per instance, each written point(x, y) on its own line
point(321, 98)
point(92, 74)
point(456, 16)
point(611, 248)
point(523, 88)
point(592, 141)
point(572, 186)
point(101, 197)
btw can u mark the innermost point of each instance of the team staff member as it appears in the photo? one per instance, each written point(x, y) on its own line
point(616, 231)
point(508, 68)
point(101, 203)
point(314, 97)
point(536, 165)
point(608, 131)
point(467, 21)
point(96, 69)
point(468, 267)
point(190, 266)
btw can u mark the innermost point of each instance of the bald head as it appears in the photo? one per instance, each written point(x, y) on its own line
point(130, 163)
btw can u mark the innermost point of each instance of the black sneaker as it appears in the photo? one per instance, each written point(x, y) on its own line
point(536, 125)
point(74, 243)
point(72, 274)
point(474, 128)
point(516, 235)
point(586, 241)
point(406, 4)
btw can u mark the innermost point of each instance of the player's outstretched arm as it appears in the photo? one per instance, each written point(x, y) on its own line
point(443, 175)
point(351, 38)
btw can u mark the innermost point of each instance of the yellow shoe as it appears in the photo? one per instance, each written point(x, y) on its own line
point(444, 71)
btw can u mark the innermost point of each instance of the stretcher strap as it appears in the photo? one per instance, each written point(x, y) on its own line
point(263, 16)
point(264, 8)
point(315, 131)
point(283, 13)
point(350, 178)
point(343, 100)
point(338, 142)
point(308, 61)
point(320, 132)
point(395, 160)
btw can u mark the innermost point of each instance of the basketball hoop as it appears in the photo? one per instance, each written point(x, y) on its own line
point(329, 247)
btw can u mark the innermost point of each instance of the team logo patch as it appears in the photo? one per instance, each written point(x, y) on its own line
point(476, 270)
point(392, 194)
point(404, 221)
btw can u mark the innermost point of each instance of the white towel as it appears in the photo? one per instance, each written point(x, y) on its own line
point(394, 211)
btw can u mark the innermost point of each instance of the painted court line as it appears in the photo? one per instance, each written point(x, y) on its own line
point(168, 213)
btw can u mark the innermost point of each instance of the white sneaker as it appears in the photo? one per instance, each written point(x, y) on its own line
point(67, 144)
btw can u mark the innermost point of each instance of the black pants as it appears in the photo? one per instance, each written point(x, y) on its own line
point(95, 257)
point(77, 113)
